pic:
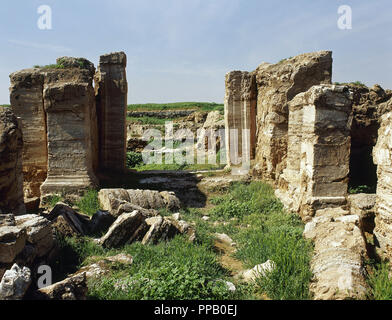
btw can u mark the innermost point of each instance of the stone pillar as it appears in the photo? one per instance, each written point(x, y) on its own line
point(11, 176)
point(249, 107)
point(240, 116)
point(27, 103)
point(111, 95)
point(317, 170)
point(382, 154)
point(277, 84)
point(70, 107)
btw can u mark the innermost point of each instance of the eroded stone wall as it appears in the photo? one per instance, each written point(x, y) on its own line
point(11, 177)
point(27, 103)
point(383, 159)
point(111, 94)
point(69, 104)
point(318, 152)
point(277, 84)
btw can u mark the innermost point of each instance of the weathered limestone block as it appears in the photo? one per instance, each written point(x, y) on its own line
point(27, 103)
point(364, 205)
point(339, 253)
point(15, 283)
point(277, 84)
point(71, 133)
point(72, 288)
point(240, 116)
point(11, 176)
point(12, 242)
point(382, 154)
point(111, 96)
point(112, 200)
point(122, 230)
point(39, 232)
point(318, 150)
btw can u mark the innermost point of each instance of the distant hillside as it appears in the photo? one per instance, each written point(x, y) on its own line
point(201, 106)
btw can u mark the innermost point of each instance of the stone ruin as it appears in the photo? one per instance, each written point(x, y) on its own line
point(11, 178)
point(71, 131)
point(312, 139)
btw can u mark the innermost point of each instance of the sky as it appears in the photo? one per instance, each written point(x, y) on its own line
point(180, 50)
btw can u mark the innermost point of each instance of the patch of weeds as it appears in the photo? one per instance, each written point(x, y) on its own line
point(263, 231)
point(52, 200)
point(362, 189)
point(134, 159)
point(89, 203)
point(380, 282)
point(177, 269)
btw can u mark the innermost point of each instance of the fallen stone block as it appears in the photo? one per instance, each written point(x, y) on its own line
point(15, 282)
point(122, 230)
point(12, 242)
point(72, 288)
point(39, 232)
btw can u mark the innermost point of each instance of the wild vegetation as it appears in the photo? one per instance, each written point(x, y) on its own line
point(180, 269)
point(197, 106)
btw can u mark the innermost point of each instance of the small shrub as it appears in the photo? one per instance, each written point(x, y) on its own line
point(380, 282)
point(134, 159)
point(89, 203)
point(52, 200)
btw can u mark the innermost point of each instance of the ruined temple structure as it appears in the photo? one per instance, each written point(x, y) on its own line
point(71, 132)
point(312, 140)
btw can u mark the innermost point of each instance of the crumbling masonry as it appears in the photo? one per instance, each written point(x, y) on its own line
point(71, 133)
point(302, 142)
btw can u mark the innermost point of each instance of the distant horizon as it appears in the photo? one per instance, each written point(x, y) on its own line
point(181, 50)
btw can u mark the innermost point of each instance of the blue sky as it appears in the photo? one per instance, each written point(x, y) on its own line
point(180, 50)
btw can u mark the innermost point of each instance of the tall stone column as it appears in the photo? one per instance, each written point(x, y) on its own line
point(382, 155)
point(70, 107)
point(240, 116)
point(111, 96)
point(11, 177)
point(27, 103)
point(249, 108)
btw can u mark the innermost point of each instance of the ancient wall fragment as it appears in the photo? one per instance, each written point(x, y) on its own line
point(69, 104)
point(11, 176)
point(27, 103)
point(382, 154)
point(318, 153)
point(339, 252)
point(277, 84)
point(111, 97)
point(240, 116)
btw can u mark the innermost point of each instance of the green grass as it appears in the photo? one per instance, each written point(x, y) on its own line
point(177, 269)
point(264, 231)
point(135, 161)
point(52, 200)
point(149, 120)
point(380, 282)
point(356, 83)
point(5, 105)
point(89, 203)
point(362, 189)
point(200, 106)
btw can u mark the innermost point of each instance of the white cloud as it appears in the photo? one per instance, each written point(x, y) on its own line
point(43, 46)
